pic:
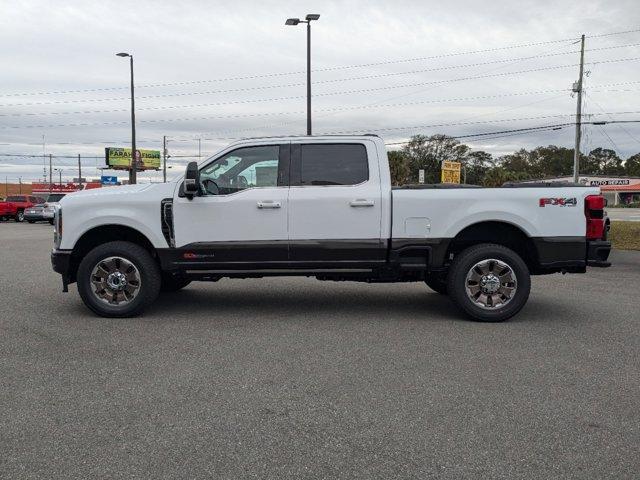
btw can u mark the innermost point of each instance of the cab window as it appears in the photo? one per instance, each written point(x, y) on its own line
point(247, 167)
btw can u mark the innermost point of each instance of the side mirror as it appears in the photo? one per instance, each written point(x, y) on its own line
point(191, 184)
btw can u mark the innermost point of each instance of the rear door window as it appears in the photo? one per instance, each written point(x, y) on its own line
point(333, 164)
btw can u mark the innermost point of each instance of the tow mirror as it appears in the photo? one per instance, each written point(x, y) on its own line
point(191, 180)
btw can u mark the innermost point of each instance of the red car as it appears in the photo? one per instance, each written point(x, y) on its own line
point(15, 205)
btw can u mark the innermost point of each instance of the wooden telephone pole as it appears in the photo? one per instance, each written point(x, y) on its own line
point(577, 88)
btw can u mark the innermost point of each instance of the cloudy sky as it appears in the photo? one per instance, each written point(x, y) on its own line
point(219, 70)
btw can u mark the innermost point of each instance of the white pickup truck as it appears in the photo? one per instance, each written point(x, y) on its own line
point(323, 207)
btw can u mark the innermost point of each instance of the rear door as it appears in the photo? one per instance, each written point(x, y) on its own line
point(335, 204)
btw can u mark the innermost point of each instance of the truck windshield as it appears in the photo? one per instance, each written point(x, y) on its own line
point(14, 199)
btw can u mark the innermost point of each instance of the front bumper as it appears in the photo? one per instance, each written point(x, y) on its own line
point(598, 253)
point(61, 261)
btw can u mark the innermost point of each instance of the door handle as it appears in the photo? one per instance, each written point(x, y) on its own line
point(361, 202)
point(269, 204)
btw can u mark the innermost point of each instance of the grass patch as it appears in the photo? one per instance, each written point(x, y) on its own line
point(625, 235)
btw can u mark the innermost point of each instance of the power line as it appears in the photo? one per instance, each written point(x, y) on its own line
point(198, 105)
point(414, 127)
point(320, 82)
point(328, 69)
point(556, 126)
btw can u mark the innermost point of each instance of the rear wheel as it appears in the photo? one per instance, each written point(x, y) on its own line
point(489, 282)
point(19, 216)
point(118, 279)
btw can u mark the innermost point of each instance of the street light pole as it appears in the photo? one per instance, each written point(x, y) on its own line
point(308, 78)
point(132, 170)
point(295, 21)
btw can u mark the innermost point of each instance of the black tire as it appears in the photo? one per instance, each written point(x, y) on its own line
point(173, 283)
point(437, 283)
point(461, 267)
point(19, 216)
point(150, 279)
point(51, 222)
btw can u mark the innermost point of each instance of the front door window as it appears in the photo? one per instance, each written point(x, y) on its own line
point(247, 167)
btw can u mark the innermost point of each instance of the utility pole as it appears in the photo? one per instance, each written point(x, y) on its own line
point(50, 173)
point(577, 88)
point(79, 172)
point(44, 161)
point(164, 157)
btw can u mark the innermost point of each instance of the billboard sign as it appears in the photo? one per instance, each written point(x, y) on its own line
point(450, 172)
point(108, 180)
point(120, 158)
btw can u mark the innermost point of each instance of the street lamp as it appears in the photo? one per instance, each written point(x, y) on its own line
point(295, 21)
point(132, 170)
point(59, 170)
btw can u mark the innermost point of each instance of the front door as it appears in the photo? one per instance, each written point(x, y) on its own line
point(240, 219)
point(335, 205)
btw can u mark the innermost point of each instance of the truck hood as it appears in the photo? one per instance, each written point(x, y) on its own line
point(121, 193)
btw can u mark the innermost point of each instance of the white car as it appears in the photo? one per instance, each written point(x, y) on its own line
point(322, 206)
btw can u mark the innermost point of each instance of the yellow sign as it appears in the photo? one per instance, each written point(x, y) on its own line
point(120, 159)
point(450, 172)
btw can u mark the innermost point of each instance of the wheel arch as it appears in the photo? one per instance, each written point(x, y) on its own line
point(498, 232)
point(102, 234)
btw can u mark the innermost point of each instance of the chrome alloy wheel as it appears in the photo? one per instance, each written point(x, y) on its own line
point(491, 284)
point(115, 281)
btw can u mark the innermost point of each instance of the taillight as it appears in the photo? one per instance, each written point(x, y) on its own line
point(594, 211)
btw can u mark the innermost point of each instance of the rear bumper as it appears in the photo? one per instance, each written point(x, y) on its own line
point(598, 253)
point(571, 254)
point(35, 216)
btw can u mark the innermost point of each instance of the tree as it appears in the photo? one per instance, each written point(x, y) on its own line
point(476, 166)
point(399, 166)
point(603, 161)
point(632, 165)
point(427, 153)
point(552, 161)
point(498, 175)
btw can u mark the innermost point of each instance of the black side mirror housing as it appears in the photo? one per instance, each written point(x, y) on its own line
point(191, 184)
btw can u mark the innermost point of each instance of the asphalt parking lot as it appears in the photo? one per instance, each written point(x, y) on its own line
point(296, 378)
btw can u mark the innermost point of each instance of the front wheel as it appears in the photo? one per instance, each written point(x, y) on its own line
point(489, 282)
point(118, 279)
point(20, 216)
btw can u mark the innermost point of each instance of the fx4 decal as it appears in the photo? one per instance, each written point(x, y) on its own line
point(561, 202)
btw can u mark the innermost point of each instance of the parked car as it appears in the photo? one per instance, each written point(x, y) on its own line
point(44, 211)
point(15, 205)
point(323, 207)
point(35, 213)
